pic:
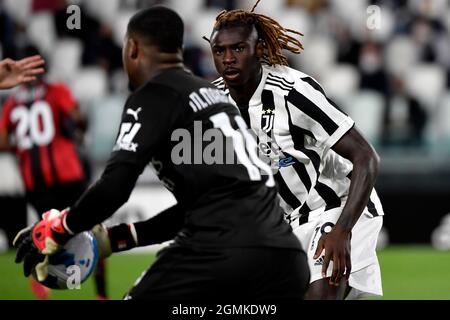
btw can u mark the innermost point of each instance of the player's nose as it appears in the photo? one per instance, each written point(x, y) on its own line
point(229, 57)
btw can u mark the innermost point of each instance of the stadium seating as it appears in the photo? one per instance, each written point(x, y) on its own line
point(432, 9)
point(438, 129)
point(349, 10)
point(188, 10)
point(65, 59)
point(385, 28)
point(319, 58)
point(104, 117)
point(41, 31)
point(402, 58)
point(20, 10)
point(401, 54)
point(120, 26)
point(341, 81)
point(296, 19)
point(447, 18)
point(264, 7)
point(203, 26)
point(89, 83)
point(426, 82)
point(366, 108)
point(104, 10)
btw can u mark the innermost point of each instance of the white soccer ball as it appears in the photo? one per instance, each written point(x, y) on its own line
point(72, 265)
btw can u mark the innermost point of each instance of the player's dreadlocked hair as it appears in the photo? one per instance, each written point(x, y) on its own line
point(274, 37)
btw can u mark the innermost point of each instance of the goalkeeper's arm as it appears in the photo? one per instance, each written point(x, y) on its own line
point(160, 228)
point(103, 198)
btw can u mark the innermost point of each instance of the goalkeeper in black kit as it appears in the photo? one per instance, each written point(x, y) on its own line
point(230, 238)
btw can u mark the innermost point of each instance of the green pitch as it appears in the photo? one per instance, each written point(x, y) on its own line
point(409, 272)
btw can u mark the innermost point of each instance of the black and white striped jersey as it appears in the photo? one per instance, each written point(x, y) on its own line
point(296, 125)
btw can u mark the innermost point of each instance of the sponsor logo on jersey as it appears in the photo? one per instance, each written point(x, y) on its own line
point(127, 133)
point(286, 162)
point(314, 239)
point(320, 261)
point(134, 113)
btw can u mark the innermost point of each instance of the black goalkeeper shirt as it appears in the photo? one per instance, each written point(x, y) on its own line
point(186, 129)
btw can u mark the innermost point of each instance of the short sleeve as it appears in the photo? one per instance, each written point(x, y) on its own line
point(65, 98)
point(313, 112)
point(6, 110)
point(148, 119)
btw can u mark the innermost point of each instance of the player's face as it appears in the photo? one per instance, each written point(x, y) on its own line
point(236, 55)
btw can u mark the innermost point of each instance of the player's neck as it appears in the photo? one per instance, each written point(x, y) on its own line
point(162, 67)
point(157, 63)
point(242, 94)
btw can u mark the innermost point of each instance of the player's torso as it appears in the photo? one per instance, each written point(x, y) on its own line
point(42, 136)
point(209, 165)
point(301, 168)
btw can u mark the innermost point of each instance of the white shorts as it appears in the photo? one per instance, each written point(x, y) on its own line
point(365, 278)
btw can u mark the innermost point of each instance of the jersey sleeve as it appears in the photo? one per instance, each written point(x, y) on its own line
point(311, 111)
point(66, 100)
point(160, 228)
point(148, 119)
point(6, 110)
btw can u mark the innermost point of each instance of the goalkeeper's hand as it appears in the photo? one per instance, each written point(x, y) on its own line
point(34, 244)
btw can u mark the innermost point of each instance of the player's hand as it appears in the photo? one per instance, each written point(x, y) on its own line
point(27, 252)
point(336, 244)
point(13, 73)
point(35, 243)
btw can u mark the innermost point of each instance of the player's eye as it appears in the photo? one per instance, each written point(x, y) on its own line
point(218, 51)
point(239, 49)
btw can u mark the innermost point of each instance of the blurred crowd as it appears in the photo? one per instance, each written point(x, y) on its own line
point(386, 62)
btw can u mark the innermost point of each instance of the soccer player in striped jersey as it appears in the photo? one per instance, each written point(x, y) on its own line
point(325, 169)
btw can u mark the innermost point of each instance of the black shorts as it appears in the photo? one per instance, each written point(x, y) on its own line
point(226, 274)
point(56, 197)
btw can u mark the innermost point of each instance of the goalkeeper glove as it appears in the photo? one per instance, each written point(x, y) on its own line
point(35, 243)
point(103, 243)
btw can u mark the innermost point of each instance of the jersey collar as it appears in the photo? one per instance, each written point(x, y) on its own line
point(255, 100)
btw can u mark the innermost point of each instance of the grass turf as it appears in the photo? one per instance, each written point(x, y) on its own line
point(409, 273)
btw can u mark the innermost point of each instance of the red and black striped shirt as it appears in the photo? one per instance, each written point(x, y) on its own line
point(38, 120)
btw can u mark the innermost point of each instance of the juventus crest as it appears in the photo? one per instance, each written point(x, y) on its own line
point(267, 120)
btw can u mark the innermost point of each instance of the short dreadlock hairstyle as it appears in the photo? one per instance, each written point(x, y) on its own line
point(160, 26)
point(275, 38)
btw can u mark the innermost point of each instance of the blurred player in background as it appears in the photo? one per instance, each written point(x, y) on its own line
point(232, 229)
point(42, 124)
point(326, 170)
point(12, 74)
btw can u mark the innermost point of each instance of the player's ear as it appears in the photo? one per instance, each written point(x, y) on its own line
point(133, 48)
point(130, 51)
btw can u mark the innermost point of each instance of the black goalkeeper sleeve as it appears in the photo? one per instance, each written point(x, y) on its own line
point(103, 198)
point(160, 228)
point(156, 230)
